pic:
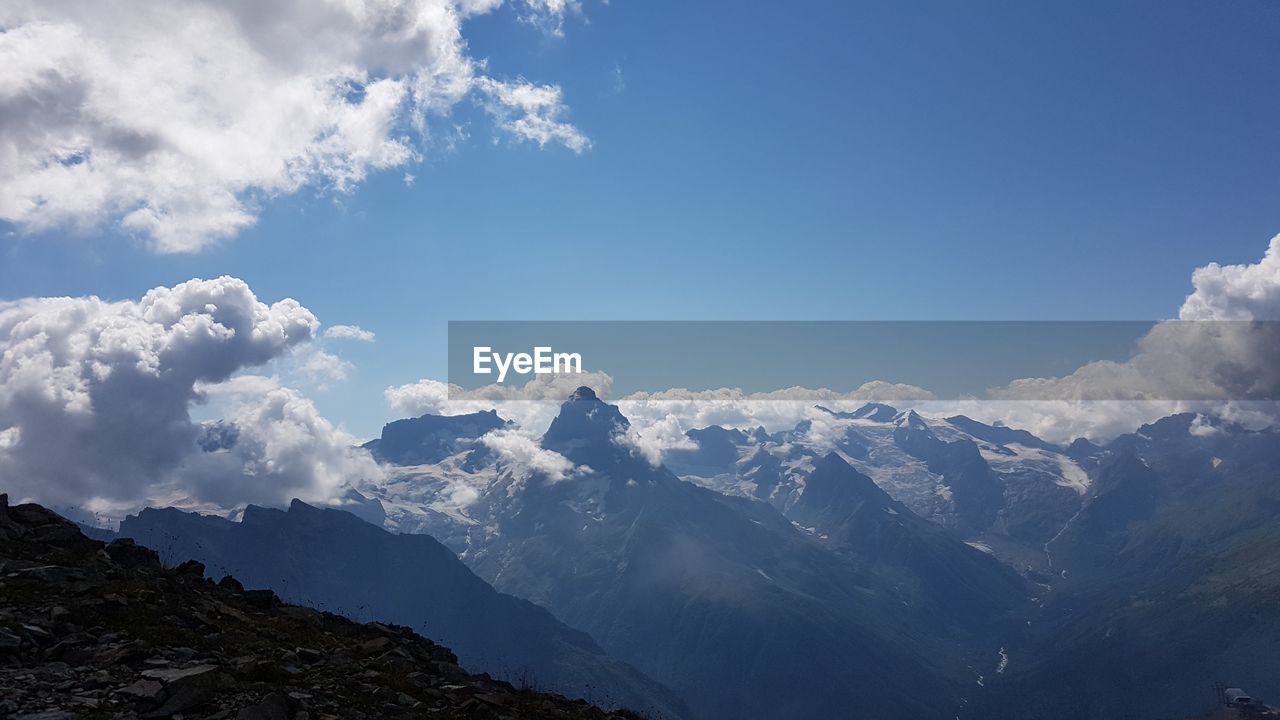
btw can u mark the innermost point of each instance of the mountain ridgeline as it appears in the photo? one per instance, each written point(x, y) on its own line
point(725, 599)
point(105, 630)
point(331, 560)
point(871, 563)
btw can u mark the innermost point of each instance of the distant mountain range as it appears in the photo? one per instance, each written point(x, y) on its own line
point(1064, 517)
point(876, 562)
point(742, 611)
point(1003, 490)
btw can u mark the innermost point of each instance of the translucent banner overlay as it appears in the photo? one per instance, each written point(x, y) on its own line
point(943, 360)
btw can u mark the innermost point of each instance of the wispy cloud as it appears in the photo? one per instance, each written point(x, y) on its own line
point(531, 112)
point(348, 332)
point(549, 15)
point(619, 84)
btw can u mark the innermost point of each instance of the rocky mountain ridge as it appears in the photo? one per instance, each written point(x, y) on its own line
point(332, 560)
point(96, 630)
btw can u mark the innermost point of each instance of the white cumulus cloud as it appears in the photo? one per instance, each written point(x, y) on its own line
point(96, 399)
point(1221, 356)
point(523, 457)
point(422, 398)
point(652, 440)
point(1236, 292)
point(176, 120)
point(273, 449)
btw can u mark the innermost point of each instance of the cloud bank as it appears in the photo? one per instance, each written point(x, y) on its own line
point(1221, 356)
point(175, 120)
point(95, 401)
point(96, 396)
point(533, 405)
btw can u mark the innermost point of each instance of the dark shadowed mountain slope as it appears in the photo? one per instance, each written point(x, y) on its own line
point(1169, 580)
point(945, 581)
point(333, 561)
point(94, 630)
point(978, 494)
point(716, 451)
point(1000, 434)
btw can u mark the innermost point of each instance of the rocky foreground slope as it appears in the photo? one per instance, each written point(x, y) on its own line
point(94, 630)
point(332, 560)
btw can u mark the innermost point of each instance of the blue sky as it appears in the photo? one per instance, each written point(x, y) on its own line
point(870, 160)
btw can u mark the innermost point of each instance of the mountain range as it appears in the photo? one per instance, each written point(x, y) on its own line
point(1001, 489)
point(1057, 519)
point(741, 609)
point(874, 562)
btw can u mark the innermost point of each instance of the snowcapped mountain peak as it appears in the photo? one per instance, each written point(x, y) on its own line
point(876, 412)
point(872, 412)
point(911, 420)
point(584, 421)
point(431, 438)
point(833, 466)
point(998, 433)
